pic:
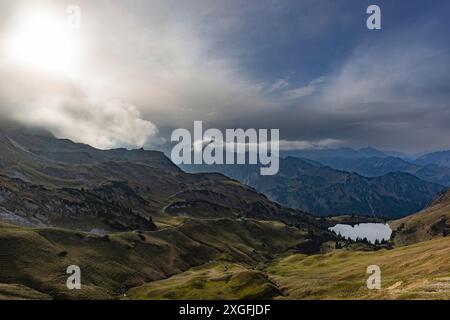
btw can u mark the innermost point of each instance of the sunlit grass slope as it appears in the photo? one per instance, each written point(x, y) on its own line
point(420, 271)
point(218, 280)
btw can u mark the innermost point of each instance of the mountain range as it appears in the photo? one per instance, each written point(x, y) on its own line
point(313, 187)
point(127, 217)
point(49, 182)
point(440, 158)
point(328, 154)
point(378, 166)
point(332, 157)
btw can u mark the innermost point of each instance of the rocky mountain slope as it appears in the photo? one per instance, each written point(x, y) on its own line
point(49, 182)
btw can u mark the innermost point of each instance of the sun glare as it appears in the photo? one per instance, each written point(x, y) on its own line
point(44, 43)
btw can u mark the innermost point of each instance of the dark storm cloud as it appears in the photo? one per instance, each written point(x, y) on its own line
point(309, 68)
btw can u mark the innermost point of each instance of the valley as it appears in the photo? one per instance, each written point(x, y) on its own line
point(140, 228)
point(415, 272)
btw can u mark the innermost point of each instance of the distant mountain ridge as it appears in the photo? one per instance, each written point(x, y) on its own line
point(314, 187)
point(343, 153)
point(378, 166)
point(327, 155)
point(370, 162)
point(440, 158)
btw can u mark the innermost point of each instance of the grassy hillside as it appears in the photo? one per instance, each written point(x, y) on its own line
point(432, 222)
point(419, 271)
point(19, 292)
point(210, 259)
point(218, 280)
point(33, 261)
point(414, 272)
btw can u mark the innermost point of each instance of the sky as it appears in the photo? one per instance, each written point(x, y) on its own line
point(136, 70)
